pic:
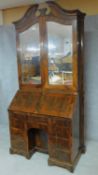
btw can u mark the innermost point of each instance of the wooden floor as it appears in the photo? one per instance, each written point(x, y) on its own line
point(37, 165)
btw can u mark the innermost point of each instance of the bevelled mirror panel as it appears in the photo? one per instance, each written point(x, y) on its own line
point(29, 55)
point(60, 51)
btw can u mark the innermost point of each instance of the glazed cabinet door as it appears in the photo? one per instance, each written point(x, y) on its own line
point(62, 53)
point(29, 56)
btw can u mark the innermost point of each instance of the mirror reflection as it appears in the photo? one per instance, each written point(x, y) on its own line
point(29, 55)
point(59, 53)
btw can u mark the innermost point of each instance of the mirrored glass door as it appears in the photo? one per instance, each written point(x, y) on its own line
point(29, 55)
point(60, 51)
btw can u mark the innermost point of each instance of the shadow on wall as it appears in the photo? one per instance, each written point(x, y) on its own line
point(8, 69)
point(91, 76)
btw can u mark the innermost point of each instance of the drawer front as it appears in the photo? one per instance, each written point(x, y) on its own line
point(59, 149)
point(17, 120)
point(40, 119)
point(17, 132)
point(17, 116)
point(59, 143)
point(60, 128)
point(59, 155)
point(18, 142)
point(16, 123)
point(37, 122)
point(62, 156)
point(60, 122)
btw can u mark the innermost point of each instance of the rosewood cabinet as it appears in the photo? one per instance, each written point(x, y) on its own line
point(47, 112)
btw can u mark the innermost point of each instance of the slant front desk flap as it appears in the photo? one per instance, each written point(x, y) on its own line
point(52, 104)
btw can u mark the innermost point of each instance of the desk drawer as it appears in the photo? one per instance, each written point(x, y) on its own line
point(60, 128)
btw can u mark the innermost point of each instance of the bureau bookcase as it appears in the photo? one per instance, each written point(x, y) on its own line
point(47, 112)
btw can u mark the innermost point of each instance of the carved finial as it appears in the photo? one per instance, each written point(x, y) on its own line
point(41, 7)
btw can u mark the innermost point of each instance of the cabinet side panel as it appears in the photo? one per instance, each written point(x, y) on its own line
point(75, 132)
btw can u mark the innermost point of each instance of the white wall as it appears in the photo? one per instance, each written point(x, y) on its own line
point(9, 80)
point(8, 69)
point(91, 76)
